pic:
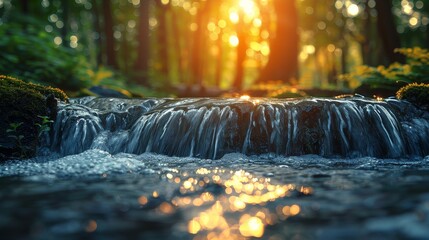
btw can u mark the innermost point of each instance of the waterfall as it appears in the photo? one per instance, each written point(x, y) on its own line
point(211, 128)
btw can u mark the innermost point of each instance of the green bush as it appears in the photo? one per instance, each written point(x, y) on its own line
point(31, 54)
point(386, 81)
point(415, 93)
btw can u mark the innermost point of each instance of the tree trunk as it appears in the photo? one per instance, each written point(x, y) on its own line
point(65, 16)
point(241, 55)
point(219, 61)
point(24, 7)
point(97, 28)
point(178, 46)
point(162, 42)
point(196, 66)
point(198, 43)
point(283, 60)
point(142, 64)
point(108, 34)
point(387, 30)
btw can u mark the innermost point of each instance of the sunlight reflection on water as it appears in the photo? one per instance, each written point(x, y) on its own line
point(220, 192)
point(97, 195)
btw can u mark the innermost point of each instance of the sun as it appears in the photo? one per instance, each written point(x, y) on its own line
point(249, 7)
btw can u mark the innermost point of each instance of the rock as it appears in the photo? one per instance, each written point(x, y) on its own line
point(22, 103)
point(417, 94)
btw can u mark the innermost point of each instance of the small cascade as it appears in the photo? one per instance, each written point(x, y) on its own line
point(211, 128)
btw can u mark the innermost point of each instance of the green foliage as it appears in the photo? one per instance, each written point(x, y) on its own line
point(415, 93)
point(386, 81)
point(17, 137)
point(43, 127)
point(28, 52)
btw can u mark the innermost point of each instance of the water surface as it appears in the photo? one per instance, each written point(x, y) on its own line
point(96, 195)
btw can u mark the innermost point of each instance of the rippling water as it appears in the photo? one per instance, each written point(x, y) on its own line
point(96, 195)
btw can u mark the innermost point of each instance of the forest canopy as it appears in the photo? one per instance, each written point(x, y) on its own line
point(159, 47)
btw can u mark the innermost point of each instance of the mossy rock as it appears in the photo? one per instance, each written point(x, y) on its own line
point(415, 93)
point(6, 81)
point(22, 102)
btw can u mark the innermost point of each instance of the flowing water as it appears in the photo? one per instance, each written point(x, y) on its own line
point(224, 168)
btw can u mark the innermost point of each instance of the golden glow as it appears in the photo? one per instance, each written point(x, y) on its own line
point(251, 226)
point(248, 7)
point(245, 97)
point(234, 41)
point(257, 22)
point(142, 200)
point(221, 23)
point(353, 10)
point(413, 21)
point(58, 40)
point(309, 49)
point(378, 98)
point(193, 27)
point(294, 210)
point(244, 194)
point(234, 17)
point(91, 226)
point(187, 184)
point(331, 48)
point(166, 208)
point(194, 227)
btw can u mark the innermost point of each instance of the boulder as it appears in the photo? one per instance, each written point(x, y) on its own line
point(23, 106)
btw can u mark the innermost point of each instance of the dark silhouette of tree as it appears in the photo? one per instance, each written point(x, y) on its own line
point(25, 7)
point(108, 34)
point(97, 28)
point(241, 55)
point(65, 16)
point(283, 60)
point(196, 65)
point(162, 38)
point(387, 31)
point(177, 45)
point(219, 61)
point(142, 63)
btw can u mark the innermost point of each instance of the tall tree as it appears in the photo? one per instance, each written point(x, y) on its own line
point(283, 60)
point(162, 37)
point(97, 29)
point(196, 65)
point(387, 30)
point(65, 16)
point(142, 64)
point(108, 34)
point(24, 7)
point(241, 54)
point(177, 45)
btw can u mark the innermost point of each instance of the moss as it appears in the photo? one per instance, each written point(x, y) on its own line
point(6, 81)
point(22, 102)
point(415, 93)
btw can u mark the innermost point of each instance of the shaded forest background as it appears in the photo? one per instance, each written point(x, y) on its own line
point(206, 47)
